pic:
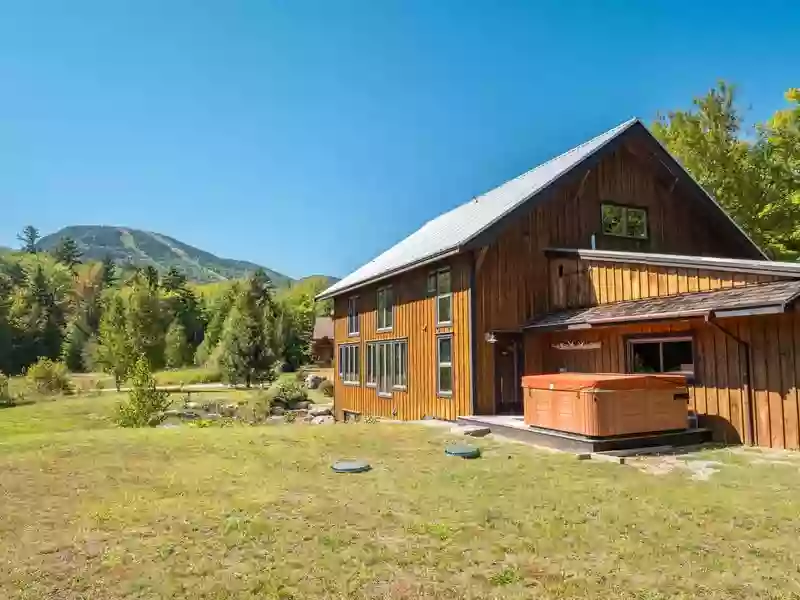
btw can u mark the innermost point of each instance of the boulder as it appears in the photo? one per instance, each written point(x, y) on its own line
point(302, 405)
point(278, 410)
point(323, 420)
point(312, 381)
point(319, 411)
point(471, 431)
point(192, 405)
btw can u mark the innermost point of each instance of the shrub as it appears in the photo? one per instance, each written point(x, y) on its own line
point(290, 417)
point(145, 405)
point(5, 394)
point(326, 387)
point(262, 406)
point(289, 394)
point(48, 377)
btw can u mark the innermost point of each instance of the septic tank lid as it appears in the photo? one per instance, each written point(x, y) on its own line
point(350, 466)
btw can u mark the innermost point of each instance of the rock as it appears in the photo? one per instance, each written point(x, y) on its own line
point(172, 412)
point(213, 416)
point(323, 420)
point(302, 405)
point(312, 381)
point(319, 411)
point(278, 410)
point(192, 405)
point(188, 414)
point(228, 410)
point(471, 430)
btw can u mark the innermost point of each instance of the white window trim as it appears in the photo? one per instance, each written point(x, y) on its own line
point(690, 375)
point(343, 371)
point(372, 384)
point(438, 296)
point(439, 364)
point(378, 310)
point(397, 343)
point(357, 320)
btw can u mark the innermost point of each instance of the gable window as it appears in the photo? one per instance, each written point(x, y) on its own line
point(387, 366)
point(352, 316)
point(624, 221)
point(385, 308)
point(673, 355)
point(440, 284)
point(444, 365)
point(350, 364)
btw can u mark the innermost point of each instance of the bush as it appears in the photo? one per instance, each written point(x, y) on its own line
point(289, 394)
point(145, 405)
point(5, 394)
point(326, 387)
point(48, 377)
point(262, 406)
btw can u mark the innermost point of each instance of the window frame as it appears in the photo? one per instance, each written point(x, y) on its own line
point(438, 295)
point(439, 365)
point(383, 310)
point(388, 367)
point(633, 340)
point(625, 208)
point(349, 364)
point(353, 317)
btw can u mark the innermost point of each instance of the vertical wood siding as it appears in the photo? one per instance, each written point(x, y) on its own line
point(719, 394)
point(512, 277)
point(576, 283)
point(414, 320)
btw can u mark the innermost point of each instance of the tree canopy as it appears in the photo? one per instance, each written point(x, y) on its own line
point(753, 172)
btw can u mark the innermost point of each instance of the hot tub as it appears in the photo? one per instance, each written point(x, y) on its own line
point(605, 404)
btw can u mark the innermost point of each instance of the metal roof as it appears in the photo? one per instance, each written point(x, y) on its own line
point(444, 235)
point(448, 233)
point(712, 263)
point(765, 298)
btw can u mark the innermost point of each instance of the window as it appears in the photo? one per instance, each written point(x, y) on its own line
point(662, 355)
point(439, 283)
point(624, 221)
point(352, 316)
point(385, 308)
point(444, 360)
point(387, 366)
point(350, 364)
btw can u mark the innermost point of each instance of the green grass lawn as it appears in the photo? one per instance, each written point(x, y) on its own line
point(92, 511)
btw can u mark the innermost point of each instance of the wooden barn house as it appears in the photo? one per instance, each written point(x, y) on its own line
point(609, 258)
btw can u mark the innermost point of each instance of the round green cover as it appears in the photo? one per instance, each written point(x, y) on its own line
point(350, 466)
point(463, 450)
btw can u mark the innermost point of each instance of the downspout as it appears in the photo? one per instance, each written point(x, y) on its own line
point(472, 339)
point(750, 412)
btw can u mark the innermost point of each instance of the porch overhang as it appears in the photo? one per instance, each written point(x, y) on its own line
point(762, 299)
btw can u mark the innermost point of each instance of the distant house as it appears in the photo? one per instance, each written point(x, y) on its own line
point(322, 341)
point(609, 258)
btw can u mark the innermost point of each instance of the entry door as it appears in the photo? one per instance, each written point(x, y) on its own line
point(508, 391)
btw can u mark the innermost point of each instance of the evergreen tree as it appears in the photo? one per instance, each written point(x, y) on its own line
point(108, 272)
point(74, 346)
point(248, 348)
point(146, 404)
point(173, 280)
point(177, 351)
point(216, 318)
point(145, 323)
point(115, 353)
point(29, 237)
point(68, 253)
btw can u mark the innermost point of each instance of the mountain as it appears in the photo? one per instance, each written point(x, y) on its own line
point(141, 248)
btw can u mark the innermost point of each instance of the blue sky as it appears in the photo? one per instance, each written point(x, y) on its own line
point(310, 136)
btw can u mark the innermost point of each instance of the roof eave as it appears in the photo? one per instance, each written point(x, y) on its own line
point(388, 274)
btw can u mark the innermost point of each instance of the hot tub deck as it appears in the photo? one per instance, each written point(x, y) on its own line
point(513, 426)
